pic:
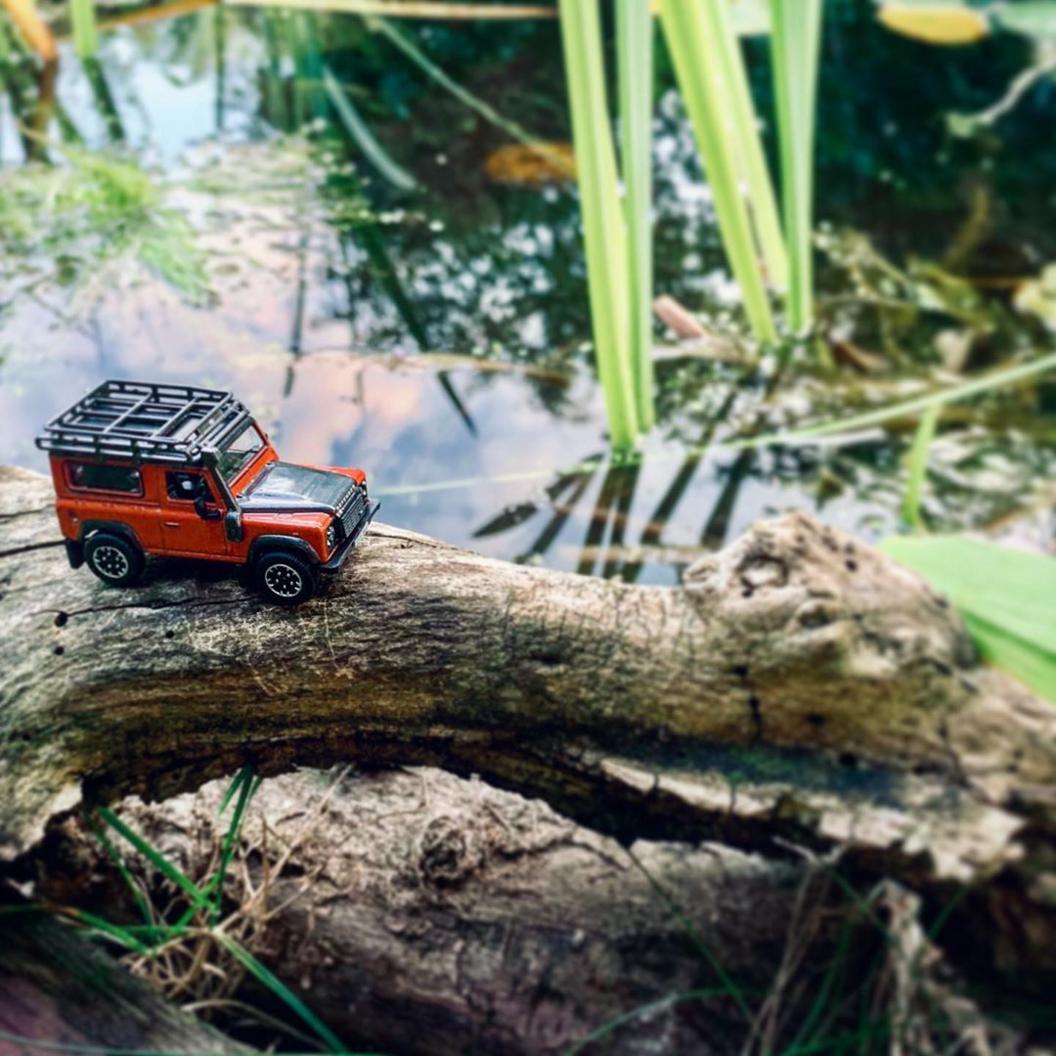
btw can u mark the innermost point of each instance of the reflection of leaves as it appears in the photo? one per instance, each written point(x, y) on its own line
point(902, 310)
point(531, 166)
point(63, 223)
point(935, 23)
point(507, 518)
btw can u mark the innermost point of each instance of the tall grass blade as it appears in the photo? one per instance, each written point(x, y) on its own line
point(85, 37)
point(266, 977)
point(603, 229)
point(794, 44)
point(634, 60)
point(918, 467)
point(755, 174)
point(156, 859)
point(694, 32)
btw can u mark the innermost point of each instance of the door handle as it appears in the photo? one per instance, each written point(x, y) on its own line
point(171, 524)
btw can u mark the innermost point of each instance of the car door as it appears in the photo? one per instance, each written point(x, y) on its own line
point(184, 531)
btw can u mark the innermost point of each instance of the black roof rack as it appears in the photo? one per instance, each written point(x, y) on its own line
point(146, 422)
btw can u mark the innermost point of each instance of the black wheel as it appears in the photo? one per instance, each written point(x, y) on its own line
point(114, 559)
point(285, 578)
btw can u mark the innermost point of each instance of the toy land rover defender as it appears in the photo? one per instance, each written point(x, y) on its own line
point(173, 470)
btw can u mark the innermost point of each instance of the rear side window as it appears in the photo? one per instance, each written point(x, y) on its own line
point(105, 478)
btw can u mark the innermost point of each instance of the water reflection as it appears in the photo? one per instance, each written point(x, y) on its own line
point(435, 338)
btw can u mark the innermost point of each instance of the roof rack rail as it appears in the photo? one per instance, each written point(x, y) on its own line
point(146, 422)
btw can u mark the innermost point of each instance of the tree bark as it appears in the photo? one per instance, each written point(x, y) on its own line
point(799, 686)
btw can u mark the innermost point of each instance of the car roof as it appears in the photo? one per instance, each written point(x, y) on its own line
point(145, 421)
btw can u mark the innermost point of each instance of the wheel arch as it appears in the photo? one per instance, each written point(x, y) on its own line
point(89, 528)
point(270, 544)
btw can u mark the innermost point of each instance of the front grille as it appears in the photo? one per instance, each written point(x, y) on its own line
point(351, 509)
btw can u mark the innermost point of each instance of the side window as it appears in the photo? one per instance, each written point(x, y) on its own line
point(184, 486)
point(105, 478)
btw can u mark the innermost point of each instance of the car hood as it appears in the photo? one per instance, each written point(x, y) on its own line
point(285, 486)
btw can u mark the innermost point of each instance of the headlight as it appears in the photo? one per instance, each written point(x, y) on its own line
point(331, 537)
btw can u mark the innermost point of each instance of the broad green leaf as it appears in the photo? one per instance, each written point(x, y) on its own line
point(935, 23)
point(1007, 598)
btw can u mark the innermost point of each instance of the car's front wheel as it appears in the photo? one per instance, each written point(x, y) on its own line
point(285, 579)
point(114, 559)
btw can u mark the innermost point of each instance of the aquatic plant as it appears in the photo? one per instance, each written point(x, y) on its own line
point(82, 19)
point(64, 222)
point(712, 79)
point(794, 43)
point(634, 62)
point(604, 224)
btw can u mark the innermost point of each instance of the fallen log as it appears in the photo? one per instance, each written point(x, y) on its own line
point(798, 687)
point(418, 912)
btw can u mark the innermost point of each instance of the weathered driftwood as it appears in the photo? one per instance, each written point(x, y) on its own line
point(799, 686)
point(59, 992)
point(418, 912)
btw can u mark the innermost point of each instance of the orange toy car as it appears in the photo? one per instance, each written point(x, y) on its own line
point(171, 470)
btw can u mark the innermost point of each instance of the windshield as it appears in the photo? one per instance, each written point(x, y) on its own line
point(240, 452)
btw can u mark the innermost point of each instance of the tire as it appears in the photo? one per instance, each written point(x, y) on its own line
point(115, 559)
point(284, 579)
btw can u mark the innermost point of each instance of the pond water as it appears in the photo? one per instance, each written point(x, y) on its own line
point(437, 334)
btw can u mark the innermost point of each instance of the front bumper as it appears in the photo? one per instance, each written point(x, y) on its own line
point(348, 544)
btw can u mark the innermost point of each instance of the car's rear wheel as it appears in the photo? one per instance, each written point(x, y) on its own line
point(114, 559)
point(285, 579)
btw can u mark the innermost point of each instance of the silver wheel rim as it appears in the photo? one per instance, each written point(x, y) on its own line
point(109, 561)
point(283, 580)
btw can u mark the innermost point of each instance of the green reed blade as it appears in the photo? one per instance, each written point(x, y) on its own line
point(85, 37)
point(762, 203)
point(693, 30)
point(634, 58)
point(603, 229)
point(918, 468)
point(794, 43)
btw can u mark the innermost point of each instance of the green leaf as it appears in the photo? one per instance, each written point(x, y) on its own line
point(1007, 598)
